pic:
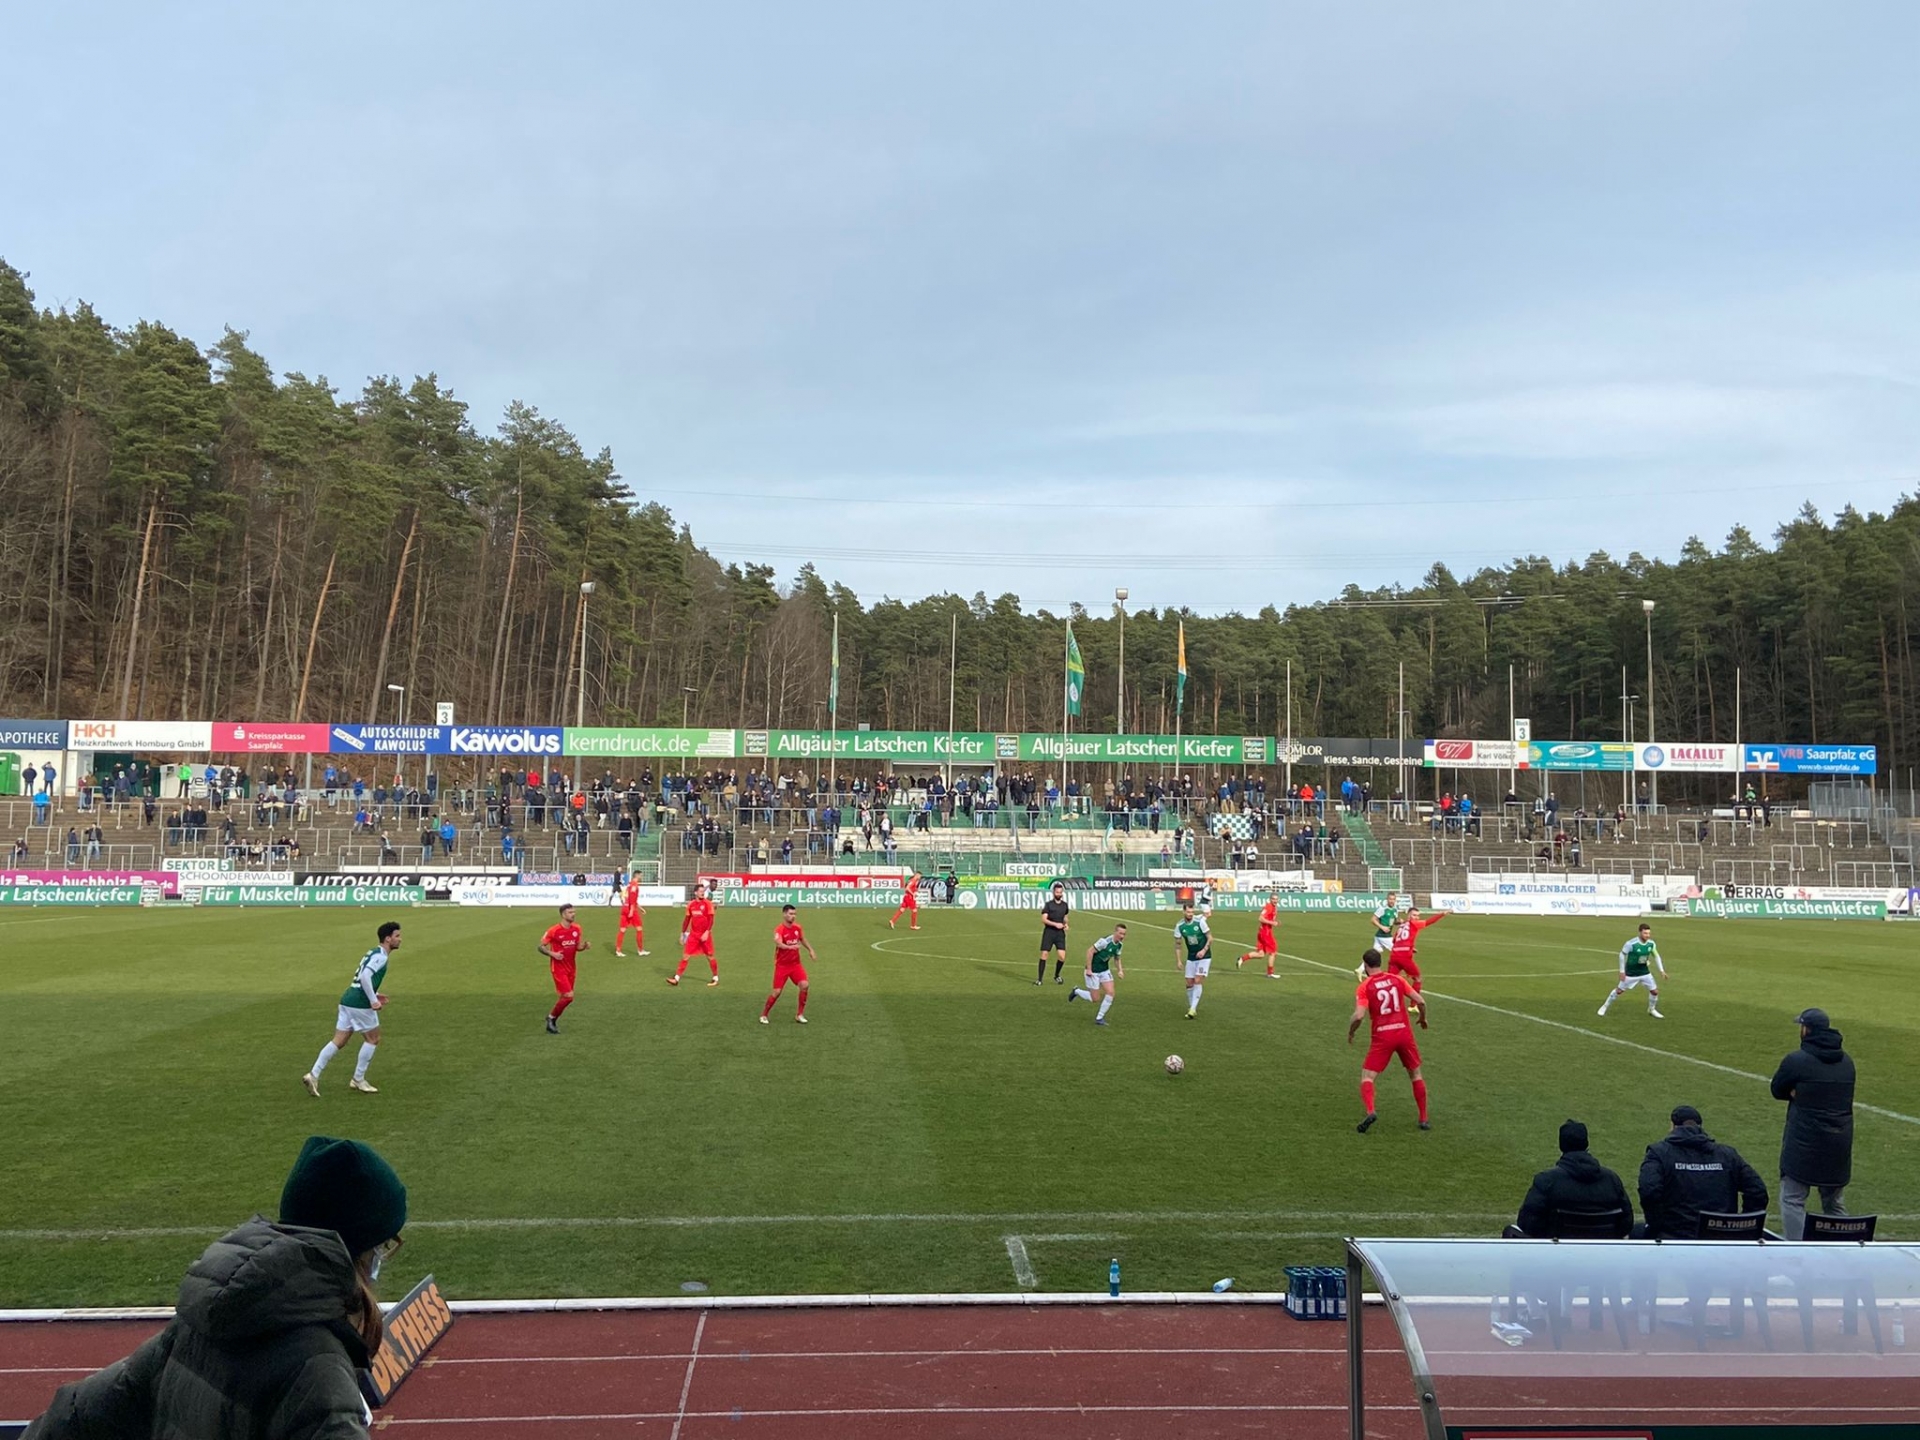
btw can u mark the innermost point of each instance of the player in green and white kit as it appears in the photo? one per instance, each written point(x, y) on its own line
point(1193, 948)
point(359, 1015)
point(1639, 958)
point(1103, 968)
point(1384, 919)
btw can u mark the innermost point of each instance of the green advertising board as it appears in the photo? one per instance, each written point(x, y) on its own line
point(69, 894)
point(1579, 755)
point(937, 747)
point(650, 744)
point(806, 897)
point(1147, 749)
point(1783, 909)
point(312, 894)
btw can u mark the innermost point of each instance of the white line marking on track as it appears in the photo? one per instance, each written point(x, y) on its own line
point(686, 1387)
point(1023, 1275)
point(1025, 1352)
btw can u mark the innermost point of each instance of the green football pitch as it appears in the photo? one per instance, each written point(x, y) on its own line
point(940, 1125)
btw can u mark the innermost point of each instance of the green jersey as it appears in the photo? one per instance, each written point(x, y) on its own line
point(1637, 956)
point(367, 980)
point(1106, 950)
point(1384, 920)
point(1194, 933)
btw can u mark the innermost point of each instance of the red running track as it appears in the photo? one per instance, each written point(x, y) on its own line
point(1120, 1372)
point(1095, 1372)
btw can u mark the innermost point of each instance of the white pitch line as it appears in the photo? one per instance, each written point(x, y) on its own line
point(686, 1387)
point(1023, 1275)
point(1612, 1040)
point(694, 1222)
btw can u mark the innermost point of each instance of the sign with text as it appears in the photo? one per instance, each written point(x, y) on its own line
point(1689, 758)
point(649, 744)
point(1147, 749)
point(68, 894)
point(1577, 755)
point(267, 738)
point(514, 742)
point(1472, 754)
point(33, 734)
point(226, 893)
point(936, 747)
point(165, 735)
point(1812, 759)
point(382, 739)
point(168, 882)
point(413, 1327)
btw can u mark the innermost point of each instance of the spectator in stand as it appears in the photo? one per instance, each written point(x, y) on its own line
point(388, 855)
point(47, 777)
point(1576, 1182)
point(42, 808)
point(73, 846)
point(29, 777)
point(506, 843)
point(20, 852)
point(275, 1322)
point(94, 838)
point(1816, 1150)
point(428, 835)
point(448, 834)
point(1690, 1172)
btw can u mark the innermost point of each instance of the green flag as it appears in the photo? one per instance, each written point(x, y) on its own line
point(1180, 675)
point(833, 680)
point(1076, 673)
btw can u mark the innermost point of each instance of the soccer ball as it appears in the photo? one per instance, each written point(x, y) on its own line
point(1175, 1064)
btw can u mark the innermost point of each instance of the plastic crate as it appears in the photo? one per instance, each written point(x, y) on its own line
point(1317, 1292)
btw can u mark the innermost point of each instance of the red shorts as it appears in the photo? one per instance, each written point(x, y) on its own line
point(1404, 964)
point(697, 945)
point(1265, 943)
point(563, 972)
point(785, 970)
point(908, 902)
point(629, 922)
point(1384, 1047)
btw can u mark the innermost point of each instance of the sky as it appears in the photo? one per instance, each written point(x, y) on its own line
point(1230, 304)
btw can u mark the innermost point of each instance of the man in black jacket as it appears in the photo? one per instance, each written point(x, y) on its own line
point(1690, 1172)
point(1816, 1151)
point(1577, 1182)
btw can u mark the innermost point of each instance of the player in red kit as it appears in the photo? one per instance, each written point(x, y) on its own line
point(561, 944)
point(1406, 934)
point(788, 941)
point(909, 901)
point(630, 914)
point(1263, 943)
point(1387, 1000)
point(696, 936)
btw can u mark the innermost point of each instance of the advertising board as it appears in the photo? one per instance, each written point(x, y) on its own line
point(165, 735)
point(269, 738)
point(168, 882)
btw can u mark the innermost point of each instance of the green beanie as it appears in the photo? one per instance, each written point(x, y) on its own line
point(344, 1186)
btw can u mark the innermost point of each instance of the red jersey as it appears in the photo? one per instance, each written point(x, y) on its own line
point(787, 940)
point(1406, 934)
point(699, 923)
point(1386, 997)
point(910, 893)
point(1268, 913)
point(563, 943)
point(630, 901)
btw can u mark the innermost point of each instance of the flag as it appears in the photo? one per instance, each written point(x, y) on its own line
point(833, 680)
point(1076, 673)
point(1180, 672)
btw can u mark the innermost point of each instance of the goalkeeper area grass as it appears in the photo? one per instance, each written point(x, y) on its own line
point(941, 1124)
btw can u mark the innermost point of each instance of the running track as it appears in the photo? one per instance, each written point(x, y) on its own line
point(1076, 1372)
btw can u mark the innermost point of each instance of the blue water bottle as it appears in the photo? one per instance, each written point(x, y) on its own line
point(1113, 1278)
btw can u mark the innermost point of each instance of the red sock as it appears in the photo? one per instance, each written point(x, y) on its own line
point(803, 1000)
point(1420, 1097)
point(1366, 1095)
point(714, 962)
point(683, 967)
point(767, 1009)
point(560, 1007)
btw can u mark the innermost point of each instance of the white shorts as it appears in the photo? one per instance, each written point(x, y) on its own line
point(1097, 978)
point(356, 1019)
point(1634, 982)
point(1197, 969)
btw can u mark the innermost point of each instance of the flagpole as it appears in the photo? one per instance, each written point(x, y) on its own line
point(833, 725)
point(1066, 712)
point(953, 663)
point(1289, 725)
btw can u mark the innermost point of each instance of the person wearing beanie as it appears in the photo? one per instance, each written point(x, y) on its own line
point(1576, 1182)
point(1690, 1172)
point(273, 1325)
point(1816, 1150)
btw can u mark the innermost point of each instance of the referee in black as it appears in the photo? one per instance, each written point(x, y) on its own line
point(1053, 933)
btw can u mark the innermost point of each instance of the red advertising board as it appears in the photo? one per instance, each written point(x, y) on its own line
point(267, 737)
point(883, 880)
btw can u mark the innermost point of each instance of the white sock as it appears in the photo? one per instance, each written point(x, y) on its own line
point(1193, 998)
point(1082, 994)
point(1105, 1005)
point(362, 1060)
point(1653, 999)
point(327, 1052)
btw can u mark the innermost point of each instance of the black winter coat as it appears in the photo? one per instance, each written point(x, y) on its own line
point(261, 1347)
point(1816, 1081)
point(1577, 1182)
point(1689, 1172)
